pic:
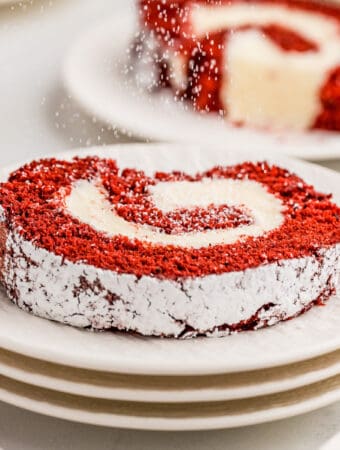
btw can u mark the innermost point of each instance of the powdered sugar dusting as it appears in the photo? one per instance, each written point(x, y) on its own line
point(84, 296)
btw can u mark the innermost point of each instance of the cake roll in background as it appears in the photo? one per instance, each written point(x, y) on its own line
point(272, 64)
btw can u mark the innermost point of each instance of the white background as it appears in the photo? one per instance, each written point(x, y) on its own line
point(37, 117)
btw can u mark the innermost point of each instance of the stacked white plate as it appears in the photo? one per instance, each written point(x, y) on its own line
point(124, 380)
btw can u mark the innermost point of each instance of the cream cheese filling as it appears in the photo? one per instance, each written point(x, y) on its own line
point(88, 202)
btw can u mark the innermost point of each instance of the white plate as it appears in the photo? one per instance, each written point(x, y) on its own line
point(332, 444)
point(313, 334)
point(95, 76)
point(166, 389)
point(166, 416)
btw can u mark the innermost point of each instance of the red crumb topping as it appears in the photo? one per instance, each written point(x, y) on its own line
point(170, 22)
point(288, 40)
point(33, 206)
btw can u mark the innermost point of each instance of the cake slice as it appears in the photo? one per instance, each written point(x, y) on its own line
point(268, 64)
point(85, 243)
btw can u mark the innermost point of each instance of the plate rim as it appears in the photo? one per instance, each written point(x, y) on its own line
point(48, 378)
point(37, 400)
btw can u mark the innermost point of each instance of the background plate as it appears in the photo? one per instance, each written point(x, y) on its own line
point(95, 74)
point(310, 335)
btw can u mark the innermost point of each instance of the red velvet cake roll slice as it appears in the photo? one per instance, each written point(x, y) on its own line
point(265, 63)
point(235, 248)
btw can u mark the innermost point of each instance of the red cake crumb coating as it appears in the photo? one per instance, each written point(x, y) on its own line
point(3, 238)
point(169, 21)
point(32, 205)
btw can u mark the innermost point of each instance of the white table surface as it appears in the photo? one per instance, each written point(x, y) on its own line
point(36, 117)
